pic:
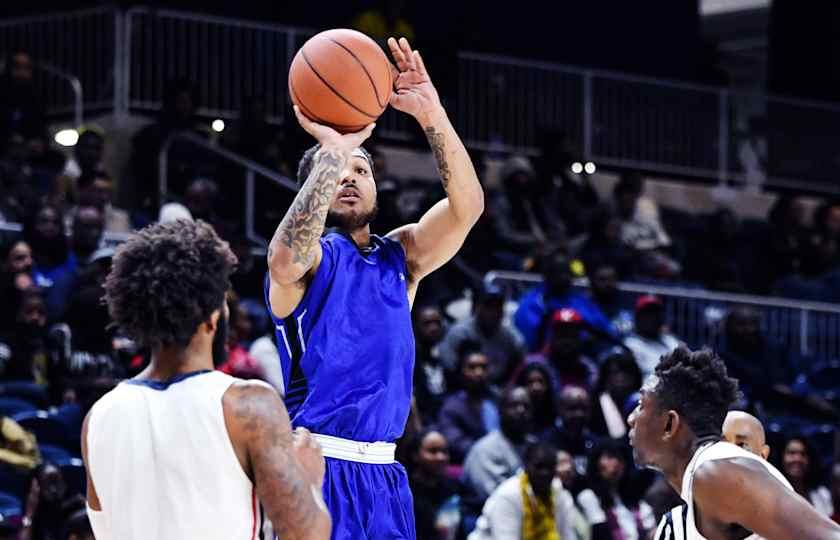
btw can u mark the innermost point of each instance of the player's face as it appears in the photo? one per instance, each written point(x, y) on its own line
point(645, 427)
point(354, 204)
point(740, 433)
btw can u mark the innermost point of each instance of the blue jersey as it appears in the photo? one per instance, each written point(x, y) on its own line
point(347, 350)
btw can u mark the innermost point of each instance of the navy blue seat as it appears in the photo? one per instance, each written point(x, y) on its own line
point(47, 429)
point(11, 406)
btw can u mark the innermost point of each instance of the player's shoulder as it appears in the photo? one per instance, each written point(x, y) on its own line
point(727, 474)
point(250, 398)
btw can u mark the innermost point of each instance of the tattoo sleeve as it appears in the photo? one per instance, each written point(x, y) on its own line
point(280, 481)
point(436, 141)
point(301, 227)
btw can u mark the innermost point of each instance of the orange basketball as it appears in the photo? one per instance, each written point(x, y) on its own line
point(341, 78)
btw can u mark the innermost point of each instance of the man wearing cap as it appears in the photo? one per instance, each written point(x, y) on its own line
point(650, 341)
point(553, 294)
point(500, 341)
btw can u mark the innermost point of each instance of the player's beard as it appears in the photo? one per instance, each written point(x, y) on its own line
point(350, 222)
point(220, 341)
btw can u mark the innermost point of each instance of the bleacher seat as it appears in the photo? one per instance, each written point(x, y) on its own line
point(10, 505)
point(14, 481)
point(73, 470)
point(54, 454)
point(11, 406)
point(47, 429)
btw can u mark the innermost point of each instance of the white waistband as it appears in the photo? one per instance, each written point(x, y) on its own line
point(379, 453)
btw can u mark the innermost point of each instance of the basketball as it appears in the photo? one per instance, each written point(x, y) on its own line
point(341, 78)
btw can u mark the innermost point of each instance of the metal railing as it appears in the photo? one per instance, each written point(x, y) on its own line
point(621, 120)
point(79, 47)
point(251, 169)
point(696, 315)
point(123, 60)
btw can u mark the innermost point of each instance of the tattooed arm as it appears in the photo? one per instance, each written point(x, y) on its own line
point(286, 466)
point(439, 234)
point(295, 250)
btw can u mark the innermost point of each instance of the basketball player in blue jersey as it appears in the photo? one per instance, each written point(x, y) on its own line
point(341, 304)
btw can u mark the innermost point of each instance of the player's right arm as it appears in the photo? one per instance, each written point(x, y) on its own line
point(742, 491)
point(286, 467)
point(295, 250)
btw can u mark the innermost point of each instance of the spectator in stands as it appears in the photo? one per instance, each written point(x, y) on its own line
point(435, 501)
point(77, 527)
point(27, 342)
point(555, 293)
point(85, 161)
point(574, 484)
point(429, 374)
point(530, 505)
point(247, 279)
point(826, 238)
point(835, 491)
point(501, 342)
point(255, 138)
point(239, 362)
point(762, 366)
point(201, 200)
point(537, 380)
point(93, 364)
point(185, 161)
point(612, 503)
point(88, 226)
point(604, 245)
point(48, 504)
point(650, 339)
point(498, 455)
point(525, 220)
point(571, 432)
point(618, 378)
point(603, 289)
point(21, 108)
point(717, 255)
point(383, 20)
point(642, 229)
point(782, 249)
point(15, 276)
point(18, 447)
point(563, 354)
point(800, 464)
point(55, 264)
point(97, 189)
point(471, 413)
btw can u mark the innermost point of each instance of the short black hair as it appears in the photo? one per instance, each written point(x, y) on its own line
point(465, 349)
point(166, 280)
point(306, 162)
point(696, 385)
point(621, 359)
point(538, 449)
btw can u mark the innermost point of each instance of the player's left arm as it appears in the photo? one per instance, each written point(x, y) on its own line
point(742, 491)
point(441, 231)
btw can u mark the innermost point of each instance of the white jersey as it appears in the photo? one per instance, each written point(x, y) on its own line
point(163, 464)
point(679, 523)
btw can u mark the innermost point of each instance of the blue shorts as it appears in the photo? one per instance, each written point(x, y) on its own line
point(368, 502)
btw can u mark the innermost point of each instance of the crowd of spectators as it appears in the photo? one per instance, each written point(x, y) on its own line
point(520, 405)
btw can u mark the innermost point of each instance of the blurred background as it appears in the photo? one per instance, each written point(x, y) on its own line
point(655, 173)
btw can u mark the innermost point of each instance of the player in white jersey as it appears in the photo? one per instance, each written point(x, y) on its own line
point(729, 492)
point(743, 430)
point(182, 451)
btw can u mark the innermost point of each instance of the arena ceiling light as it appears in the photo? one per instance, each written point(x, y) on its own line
point(589, 168)
point(577, 167)
point(218, 125)
point(67, 137)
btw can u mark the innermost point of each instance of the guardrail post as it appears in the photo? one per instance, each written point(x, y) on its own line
point(723, 135)
point(803, 332)
point(249, 203)
point(587, 115)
